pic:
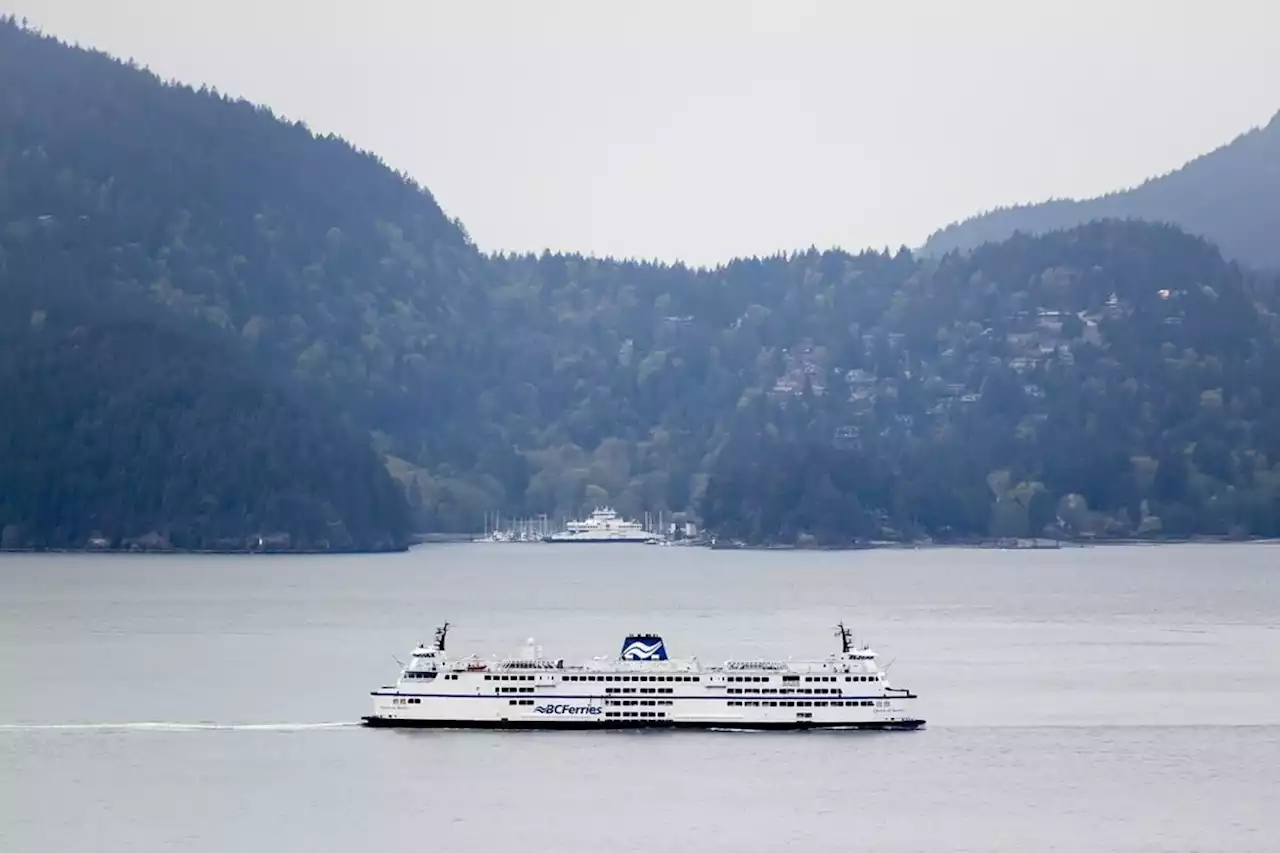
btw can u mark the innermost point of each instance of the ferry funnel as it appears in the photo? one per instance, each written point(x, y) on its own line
point(643, 647)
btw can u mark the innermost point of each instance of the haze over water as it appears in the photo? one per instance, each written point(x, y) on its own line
point(1116, 698)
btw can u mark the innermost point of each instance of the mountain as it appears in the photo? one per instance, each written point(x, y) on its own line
point(1230, 196)
point(227, 288)
point(137, 224)
point(1116, 379)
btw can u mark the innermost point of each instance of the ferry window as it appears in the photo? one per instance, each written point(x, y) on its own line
point(789, 679)
point(697, 678)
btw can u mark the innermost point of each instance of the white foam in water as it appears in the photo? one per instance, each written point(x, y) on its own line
point(179, 727)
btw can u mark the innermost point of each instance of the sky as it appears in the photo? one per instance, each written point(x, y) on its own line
point(703, 130)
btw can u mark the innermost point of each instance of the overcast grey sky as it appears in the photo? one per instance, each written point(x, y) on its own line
point(702, 130)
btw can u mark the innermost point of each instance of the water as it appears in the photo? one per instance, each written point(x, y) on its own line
point(1104, 699)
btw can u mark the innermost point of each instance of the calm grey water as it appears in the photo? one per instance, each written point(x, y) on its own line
point(1104, 699)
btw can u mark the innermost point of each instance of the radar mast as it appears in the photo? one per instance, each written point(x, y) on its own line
point(845, 635)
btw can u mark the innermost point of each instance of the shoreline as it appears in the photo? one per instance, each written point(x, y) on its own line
point(985, 545)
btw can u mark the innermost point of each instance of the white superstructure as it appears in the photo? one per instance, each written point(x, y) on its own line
point(603, 526)
point(642, 687)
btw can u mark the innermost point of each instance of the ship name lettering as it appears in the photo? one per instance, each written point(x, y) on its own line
point(567, 709)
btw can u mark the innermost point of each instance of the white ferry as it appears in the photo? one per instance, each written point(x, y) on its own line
point(604, 526)
point(642, 688)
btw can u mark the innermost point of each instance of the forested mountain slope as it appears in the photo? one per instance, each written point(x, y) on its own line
point(136, 222)
point(123, 427)
point(1231, 196)
point(950, 392)
point(316, 255)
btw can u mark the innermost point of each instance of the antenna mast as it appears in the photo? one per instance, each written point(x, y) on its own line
point(843, 633)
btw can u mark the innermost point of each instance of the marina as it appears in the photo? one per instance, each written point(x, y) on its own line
point(603, 525)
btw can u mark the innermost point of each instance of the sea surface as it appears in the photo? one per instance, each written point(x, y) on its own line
point(1084, 699)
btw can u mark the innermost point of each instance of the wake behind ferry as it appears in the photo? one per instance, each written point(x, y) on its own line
point(642, 688)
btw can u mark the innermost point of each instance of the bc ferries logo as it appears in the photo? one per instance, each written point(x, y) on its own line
point(643, 647)
point(568, 709)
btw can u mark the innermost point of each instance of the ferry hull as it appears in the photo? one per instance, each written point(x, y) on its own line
point(585, 725)
point(602, 541)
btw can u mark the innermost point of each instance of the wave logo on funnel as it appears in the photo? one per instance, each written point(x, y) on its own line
point(643, 647)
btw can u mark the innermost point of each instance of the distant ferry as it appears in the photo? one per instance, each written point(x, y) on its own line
point(642, 688)
point(604, 526)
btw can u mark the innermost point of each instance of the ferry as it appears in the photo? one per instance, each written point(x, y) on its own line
point(642, 688)
point(604, 526)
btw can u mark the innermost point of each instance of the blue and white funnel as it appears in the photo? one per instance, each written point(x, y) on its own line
point(643, 647)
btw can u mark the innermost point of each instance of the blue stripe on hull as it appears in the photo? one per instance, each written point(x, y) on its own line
point(580, 725)
point(596, 541)
point(612, 697)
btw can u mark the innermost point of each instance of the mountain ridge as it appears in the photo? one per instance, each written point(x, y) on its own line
point(1227, 194)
